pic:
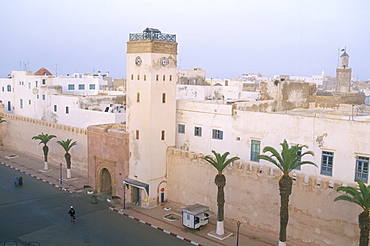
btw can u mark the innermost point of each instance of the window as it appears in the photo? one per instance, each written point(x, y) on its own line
point(362, 168)
point(137, 134)
point(9, 106)
point(255, 149)
point(163, 97)
point(29, 102)
point(29, 85)
point(138, 77)
point(92, 86)
point(299, 153)
point(37, 96)
point(198, 131)
point(181, 128)
point(162, 135)
point(3, 89)
point(144, 77)
point(327, 163)
point(164, 77)
point(81, 87)
point(67, 110)
point(21, 103)
point(43, 97)
point(71, 87)
point(132, 77)
point(9, 88)
point(55, 108)
point(36, 84)
point(43, 81)
point(138, 97)
point(170, 77)
point(157, 77)
point(217, 134)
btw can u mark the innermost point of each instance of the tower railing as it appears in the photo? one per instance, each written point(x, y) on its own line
point(153, 36)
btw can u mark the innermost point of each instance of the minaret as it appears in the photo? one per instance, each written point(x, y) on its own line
point(343, 81)
point(151, 113)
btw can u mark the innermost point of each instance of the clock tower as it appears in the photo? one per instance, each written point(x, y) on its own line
point(151, 113)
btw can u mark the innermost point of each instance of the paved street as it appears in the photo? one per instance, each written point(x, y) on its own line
point(37, 212)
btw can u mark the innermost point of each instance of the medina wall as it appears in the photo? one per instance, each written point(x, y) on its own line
point(19, 130)
point(252, 197)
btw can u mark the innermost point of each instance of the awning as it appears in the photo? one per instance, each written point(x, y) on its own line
point(137, 184)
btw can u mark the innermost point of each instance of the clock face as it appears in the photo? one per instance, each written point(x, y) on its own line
point(164, 61)
point(138, 61)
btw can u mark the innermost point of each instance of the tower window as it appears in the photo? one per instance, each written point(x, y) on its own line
point(67, 110)
point(144, 77)
point(157, 77)
point(138, 77)
point(170, 77)
point(163, 97)
point(137, 134)
point(132, 77)
point(55, 108)
point(164, 77)
point(162, 135)
point(138, 97)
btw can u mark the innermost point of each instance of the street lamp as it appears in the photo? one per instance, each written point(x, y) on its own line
point(60, 174)
point(237, 233)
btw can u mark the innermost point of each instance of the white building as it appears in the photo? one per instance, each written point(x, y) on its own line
point(70, 100)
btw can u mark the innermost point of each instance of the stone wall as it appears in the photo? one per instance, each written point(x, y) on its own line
point(19, 130)
point(252, 197)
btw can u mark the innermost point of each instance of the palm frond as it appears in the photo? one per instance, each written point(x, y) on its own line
point(220, 161)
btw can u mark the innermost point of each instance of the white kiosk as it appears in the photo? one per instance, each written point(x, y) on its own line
point(196, 216)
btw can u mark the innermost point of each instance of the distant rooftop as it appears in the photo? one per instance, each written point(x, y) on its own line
point(152, 34)
point(43, 71)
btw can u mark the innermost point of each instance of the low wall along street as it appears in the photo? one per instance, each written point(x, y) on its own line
point(18, 132)
point(252, 197)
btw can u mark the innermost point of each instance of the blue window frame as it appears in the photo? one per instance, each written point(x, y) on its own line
point(71, 87)
point(362, 168)
point(81, 86)
point(181, 128)
point(255, 149)
point(217, 134)
point(298, 153)
point(198, 131)
point(9, 106)
point(327, 163)
point(92, 86)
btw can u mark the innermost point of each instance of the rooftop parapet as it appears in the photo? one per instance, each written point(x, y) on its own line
point(152, 34)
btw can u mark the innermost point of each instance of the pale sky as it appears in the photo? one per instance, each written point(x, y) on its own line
point(225, 38)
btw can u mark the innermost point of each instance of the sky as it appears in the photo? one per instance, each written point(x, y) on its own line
point(226, 38)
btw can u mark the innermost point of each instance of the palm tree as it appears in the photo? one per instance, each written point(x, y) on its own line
point(44, 139)
point(287, 161)
point(67, 145)
point(362, 198)
point(220, 162)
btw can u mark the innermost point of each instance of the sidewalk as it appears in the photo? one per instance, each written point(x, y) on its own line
point(154, 217)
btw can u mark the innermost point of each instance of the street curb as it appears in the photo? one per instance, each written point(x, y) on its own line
point(155, 227)
point(43, 180)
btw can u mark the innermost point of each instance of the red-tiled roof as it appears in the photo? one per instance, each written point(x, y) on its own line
point(42, 71)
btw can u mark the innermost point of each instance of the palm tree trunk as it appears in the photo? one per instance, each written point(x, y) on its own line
point(285, 187)
point(46, 150)
point(68, 161)
point(220, 181)
point(364, 224)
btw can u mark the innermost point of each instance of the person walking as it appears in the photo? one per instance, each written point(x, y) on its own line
point(72, 213)
point(20, 181)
